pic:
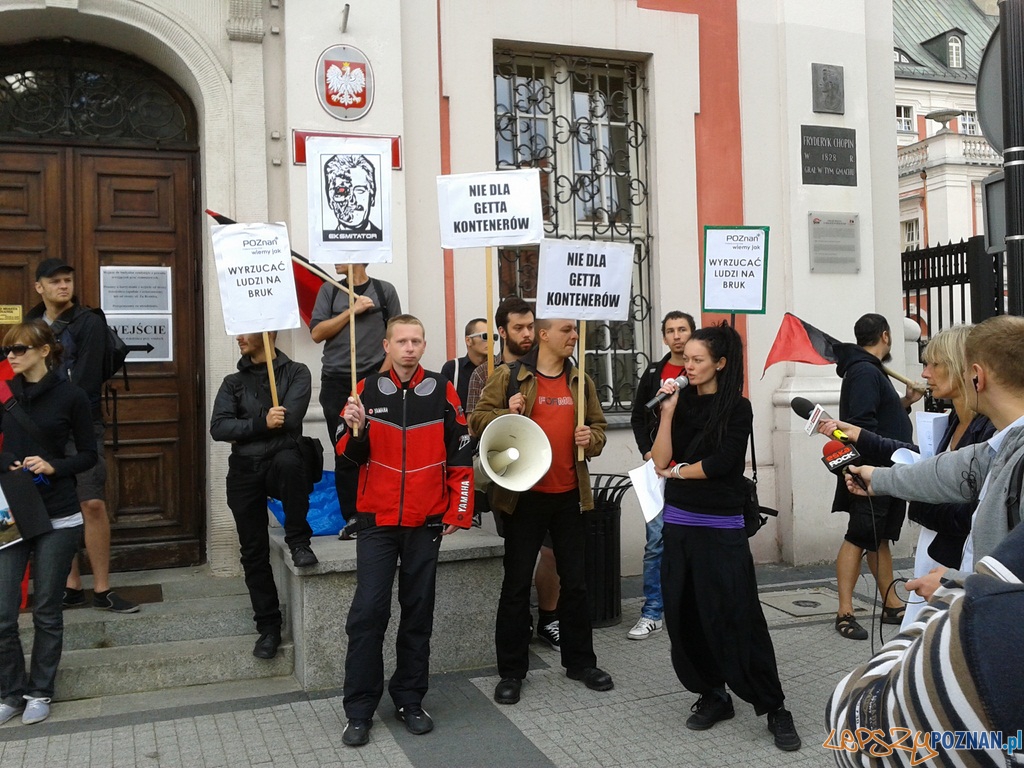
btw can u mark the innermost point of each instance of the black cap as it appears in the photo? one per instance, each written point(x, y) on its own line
point(50, 267)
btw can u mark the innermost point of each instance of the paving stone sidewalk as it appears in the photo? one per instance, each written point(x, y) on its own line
point(558, 722)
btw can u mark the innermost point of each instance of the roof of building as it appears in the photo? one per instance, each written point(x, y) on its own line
point(916, 22)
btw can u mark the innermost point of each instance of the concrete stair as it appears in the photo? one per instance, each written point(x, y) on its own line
point(201, 634)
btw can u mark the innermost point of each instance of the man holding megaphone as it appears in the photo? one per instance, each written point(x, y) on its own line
point(547, 394)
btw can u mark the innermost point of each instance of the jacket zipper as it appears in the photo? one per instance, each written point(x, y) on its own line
point(401, 492)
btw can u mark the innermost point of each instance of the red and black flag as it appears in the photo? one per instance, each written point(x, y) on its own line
point(800, 342)
point(308, 276)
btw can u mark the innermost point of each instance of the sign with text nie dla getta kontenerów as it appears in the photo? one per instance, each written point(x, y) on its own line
point(254, 272)
point(490, 209)
point(735, 269)
point(584, 279)
point(348, 193)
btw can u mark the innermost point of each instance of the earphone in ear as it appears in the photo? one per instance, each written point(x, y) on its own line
point(975, 380)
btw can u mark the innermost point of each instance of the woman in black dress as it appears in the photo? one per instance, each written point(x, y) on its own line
point(717, 629)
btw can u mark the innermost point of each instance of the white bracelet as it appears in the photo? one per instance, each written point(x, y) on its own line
point(676, 468)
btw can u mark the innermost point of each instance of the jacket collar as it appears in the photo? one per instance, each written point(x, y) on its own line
point(417, 377)
point(245, 362)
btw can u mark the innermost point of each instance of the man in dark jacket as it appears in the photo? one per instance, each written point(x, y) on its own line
point(676, 328)
point(868, 400)
point(407, 435)
point(265, 461)
point(83, 337)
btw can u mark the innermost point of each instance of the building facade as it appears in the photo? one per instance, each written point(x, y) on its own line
point(123, 120)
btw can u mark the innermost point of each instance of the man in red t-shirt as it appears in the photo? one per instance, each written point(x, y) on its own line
point(546, 391)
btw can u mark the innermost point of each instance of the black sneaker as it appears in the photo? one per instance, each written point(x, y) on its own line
point(549, 634)
point(357, 733)
point(709, 709)
point(416, 719)
point(303, 556)
point(111, 601)
point(780, 723)
point(73, 598)
point(267, 645)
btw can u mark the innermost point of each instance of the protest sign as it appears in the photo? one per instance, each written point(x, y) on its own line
point(254, 271)
point(735, 269)
point(584, 279)
point(348, 186)
point(490, 209)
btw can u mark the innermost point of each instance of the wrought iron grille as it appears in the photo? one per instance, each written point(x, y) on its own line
point(581, 121)
point(69, 92)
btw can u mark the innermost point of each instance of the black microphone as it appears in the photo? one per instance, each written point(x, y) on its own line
point(681, 381)
point(837, 456)
point(803, 408)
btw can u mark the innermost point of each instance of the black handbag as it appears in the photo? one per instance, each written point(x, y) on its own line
point(754, 515)
point(312, 451)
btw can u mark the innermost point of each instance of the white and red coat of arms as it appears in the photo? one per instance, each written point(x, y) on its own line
point(344, 82)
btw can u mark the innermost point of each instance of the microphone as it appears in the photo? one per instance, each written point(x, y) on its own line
point(805, 409)
point(681, 381)
point(837, 456)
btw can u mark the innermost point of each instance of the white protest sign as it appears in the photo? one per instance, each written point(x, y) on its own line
point(584, 279)
point(735, 269)
point(348, 193)
point(254, 271)
point(482, 209)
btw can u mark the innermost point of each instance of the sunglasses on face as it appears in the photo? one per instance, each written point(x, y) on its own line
point(485, 336)
point(17, 350)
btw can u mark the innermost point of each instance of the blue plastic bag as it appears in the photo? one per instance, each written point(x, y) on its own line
point(324, 512)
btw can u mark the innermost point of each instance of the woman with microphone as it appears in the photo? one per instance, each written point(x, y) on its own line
point(49, 411)
point(717, 629)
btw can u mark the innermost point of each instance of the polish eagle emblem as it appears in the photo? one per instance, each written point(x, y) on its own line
point(346, 84)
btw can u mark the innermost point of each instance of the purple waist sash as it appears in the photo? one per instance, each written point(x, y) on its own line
point(676, 516)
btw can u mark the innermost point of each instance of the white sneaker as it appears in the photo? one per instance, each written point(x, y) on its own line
point(7, 712)
point(644, 628)
point(36, 710)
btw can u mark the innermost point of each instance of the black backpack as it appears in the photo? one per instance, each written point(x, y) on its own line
point(115, 351)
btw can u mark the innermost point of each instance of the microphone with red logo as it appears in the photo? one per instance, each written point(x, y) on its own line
point(805, 409)
point(837, 458)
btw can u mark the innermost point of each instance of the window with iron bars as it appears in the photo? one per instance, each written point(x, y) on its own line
point(581, 121)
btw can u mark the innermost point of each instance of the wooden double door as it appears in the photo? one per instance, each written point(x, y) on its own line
point(132, 208)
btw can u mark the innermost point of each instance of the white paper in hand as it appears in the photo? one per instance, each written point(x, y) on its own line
point(650, 490)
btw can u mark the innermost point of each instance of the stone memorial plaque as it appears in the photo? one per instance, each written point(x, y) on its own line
point(834, 240)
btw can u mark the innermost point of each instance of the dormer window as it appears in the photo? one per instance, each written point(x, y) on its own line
point(955, 52)
point(899, 57)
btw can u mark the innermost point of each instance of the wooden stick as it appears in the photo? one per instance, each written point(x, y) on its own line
point(915, 385)
point(268, 353)
point(352, 336)
point(582, 383)
point(490, 309)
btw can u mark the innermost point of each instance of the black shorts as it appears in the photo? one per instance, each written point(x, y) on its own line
point(874, 520)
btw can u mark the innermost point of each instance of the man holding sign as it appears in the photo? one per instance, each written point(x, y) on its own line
point(265, 461)
point(547, 394)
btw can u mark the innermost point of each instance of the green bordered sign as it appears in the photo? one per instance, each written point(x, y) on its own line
point(735, 269)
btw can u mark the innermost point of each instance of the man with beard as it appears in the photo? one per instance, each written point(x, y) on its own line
point(351, 194)
point(868, 400)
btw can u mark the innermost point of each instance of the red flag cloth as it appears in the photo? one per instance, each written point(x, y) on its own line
point(800, 342)
point(308, 276)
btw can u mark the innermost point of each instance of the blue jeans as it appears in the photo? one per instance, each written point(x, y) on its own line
point(653, 603)
point(51, 553)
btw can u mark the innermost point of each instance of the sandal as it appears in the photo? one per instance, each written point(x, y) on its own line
point(893, 615)
point(847, 626)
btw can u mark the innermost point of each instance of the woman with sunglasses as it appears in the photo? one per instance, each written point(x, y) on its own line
point(51, 411)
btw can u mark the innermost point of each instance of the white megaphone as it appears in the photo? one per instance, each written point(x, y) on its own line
point(514, 452)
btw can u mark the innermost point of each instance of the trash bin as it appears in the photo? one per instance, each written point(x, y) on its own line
point(603, 556)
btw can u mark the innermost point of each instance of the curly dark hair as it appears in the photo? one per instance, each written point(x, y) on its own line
point(722, 341)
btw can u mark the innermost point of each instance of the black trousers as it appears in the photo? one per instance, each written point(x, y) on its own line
point(714, 619)
point(537, 514)
point(334, 392)
point(249, 483)
point(379, 550)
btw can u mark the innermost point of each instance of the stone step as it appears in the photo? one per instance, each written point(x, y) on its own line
point(190, 619)
point(158, 666)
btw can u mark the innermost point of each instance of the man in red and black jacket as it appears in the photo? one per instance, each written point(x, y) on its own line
point(415, 486)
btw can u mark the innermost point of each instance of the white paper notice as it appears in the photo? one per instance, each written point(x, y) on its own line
point(482, 209)
point(584, 279)
point(650, 490)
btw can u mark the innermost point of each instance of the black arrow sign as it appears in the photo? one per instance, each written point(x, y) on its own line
point(147, 347)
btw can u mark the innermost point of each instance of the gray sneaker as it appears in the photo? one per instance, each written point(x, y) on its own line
point(36, 710)
point(8, 711)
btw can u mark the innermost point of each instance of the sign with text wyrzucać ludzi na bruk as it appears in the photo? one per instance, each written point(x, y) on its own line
point(489, 209)
point(584, 279)
point(735, 269)
point(254, 272)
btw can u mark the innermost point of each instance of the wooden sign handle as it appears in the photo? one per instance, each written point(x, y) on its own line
point(352, 336)
point(490, 310)
point(581, 393)
point(268, 350)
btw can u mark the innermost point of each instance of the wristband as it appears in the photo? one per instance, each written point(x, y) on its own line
point(676, 468)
